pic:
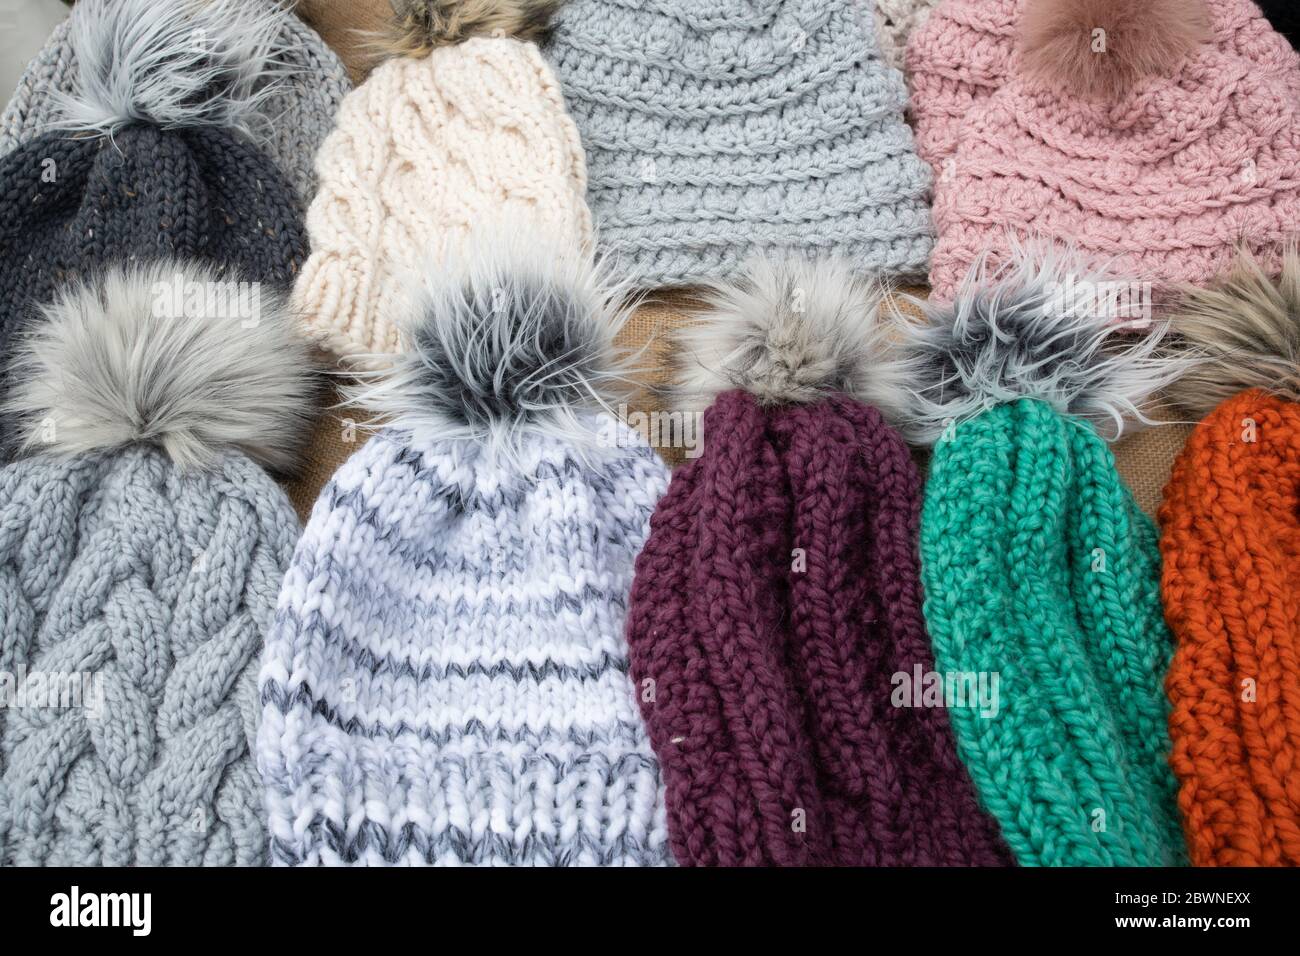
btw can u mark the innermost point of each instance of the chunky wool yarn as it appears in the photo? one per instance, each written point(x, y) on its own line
point(895, 22)
point(1164, 177)
point(447, 678)
point(1040, 570)
point(155, 161)
point(141, 554)
point(426, 153)
point(713, 132)
point(778, 600)
point(310, 82)
point(1231, 543)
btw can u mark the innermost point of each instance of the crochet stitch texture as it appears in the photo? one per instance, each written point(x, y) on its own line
point(301, 110)
point(717, 130)
point(773, 683)
point(446, 681)
point(1231, 546)
point(1039, 567)
point(1163, 183)
point(426, 152)
point(159, 586)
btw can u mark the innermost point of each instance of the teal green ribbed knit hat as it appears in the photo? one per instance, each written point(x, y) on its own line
point(1041, 574)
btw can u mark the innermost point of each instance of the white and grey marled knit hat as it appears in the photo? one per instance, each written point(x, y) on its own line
point(446, 681)
point(310, 82)
point(142, 545)
point(715, 129)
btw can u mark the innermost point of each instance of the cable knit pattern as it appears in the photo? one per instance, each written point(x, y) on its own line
point(160, 586)
point(967, 51)
point(1039, 567)
point(717, 129)
point(446, 681)
point(773, 684)
point(1231, 544)
point(1164, 184)
point(425, 151)
point(301, 110)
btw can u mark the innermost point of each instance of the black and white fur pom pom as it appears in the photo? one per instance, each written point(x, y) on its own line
point(166, 354)
point(788, 332)
point(1039, 327)
point(174, 63)
point(506, 339)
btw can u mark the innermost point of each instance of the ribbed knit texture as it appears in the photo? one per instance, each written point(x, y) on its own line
point(1231, 546)
point(1038, 567)
point(202, 193)
point(1162, 183)
point(301, 110)
point(446, 681)
point(771, 712)
point(427, 151)
point(715, 130)
point(160, 587)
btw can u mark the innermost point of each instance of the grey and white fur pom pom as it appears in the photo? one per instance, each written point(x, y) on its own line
point(167, 354)
point(1042, 325)
point(788, 332)
point(174, 63)
point(1244, 332)
point(505, 339)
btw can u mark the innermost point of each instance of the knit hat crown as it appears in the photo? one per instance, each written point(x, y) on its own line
point(451, 632)
point(1039, 568)
point(292, 114)
point(151, 157)
point(1122, 131)
point(141, 559)
point(427, 152)
point(714, 132)
point(784, 556)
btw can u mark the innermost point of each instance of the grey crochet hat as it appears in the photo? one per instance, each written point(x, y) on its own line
point(142, 546)
point(300, 110)
point(714, 129)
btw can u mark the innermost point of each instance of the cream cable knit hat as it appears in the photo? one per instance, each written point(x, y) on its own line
point(424, 152)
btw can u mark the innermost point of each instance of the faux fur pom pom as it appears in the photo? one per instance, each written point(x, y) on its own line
point(420, 26)
point(1100, 49)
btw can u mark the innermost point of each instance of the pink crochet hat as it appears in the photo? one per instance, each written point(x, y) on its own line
point(1160, 154)
point(966, 51)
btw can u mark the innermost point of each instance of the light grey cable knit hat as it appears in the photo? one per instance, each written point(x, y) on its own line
point(311, 81)
point(715, 129)
point(447, 678)
point(142, 546)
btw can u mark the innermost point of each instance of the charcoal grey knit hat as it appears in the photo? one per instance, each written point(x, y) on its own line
point(716, 130)
point(142, 547)
point(156, 155)
point(301, 108)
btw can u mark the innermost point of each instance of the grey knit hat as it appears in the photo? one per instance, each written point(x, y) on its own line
point(142, 545)
point(714, 130)
point(300, 110)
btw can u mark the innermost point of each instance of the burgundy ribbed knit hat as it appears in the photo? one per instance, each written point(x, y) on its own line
point(779, 596)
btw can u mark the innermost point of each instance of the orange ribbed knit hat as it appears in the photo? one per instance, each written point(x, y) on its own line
point(1231, 582)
